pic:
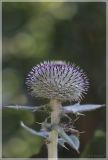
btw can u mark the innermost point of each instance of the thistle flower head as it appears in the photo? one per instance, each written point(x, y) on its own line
point(57, 80)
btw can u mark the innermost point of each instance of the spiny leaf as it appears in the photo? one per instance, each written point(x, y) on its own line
point(77, 108)
point(75, 140)
point(70, 140)
point(43, 134)
point(30, 108)
point(61, 142)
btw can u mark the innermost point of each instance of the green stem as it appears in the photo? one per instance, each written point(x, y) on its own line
point(53, 137)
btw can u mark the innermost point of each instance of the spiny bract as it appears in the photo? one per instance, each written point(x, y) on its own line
point(57, 80)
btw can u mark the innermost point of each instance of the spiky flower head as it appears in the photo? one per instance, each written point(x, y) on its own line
point(57, 80)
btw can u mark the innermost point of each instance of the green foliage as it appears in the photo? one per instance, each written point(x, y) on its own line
point(16, 141)
point(92, 149)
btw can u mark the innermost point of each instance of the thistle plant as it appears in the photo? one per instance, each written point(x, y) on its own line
point(58, 82)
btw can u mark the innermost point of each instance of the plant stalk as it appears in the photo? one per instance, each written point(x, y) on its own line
point(53, 137)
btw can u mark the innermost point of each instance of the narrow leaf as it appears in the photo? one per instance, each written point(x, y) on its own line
point(30, 108)
point(43, 134)
point(70, 140)
point(81, 108)
point(61, 143)
point(75, 140)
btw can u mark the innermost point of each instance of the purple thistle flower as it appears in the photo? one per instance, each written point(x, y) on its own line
point(57, 80)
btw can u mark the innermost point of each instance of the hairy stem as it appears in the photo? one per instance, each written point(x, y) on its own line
point(53, 137)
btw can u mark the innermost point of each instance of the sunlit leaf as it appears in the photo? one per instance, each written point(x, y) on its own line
point(81, 108)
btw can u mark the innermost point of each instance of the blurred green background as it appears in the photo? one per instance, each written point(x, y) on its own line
point(34, 32)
